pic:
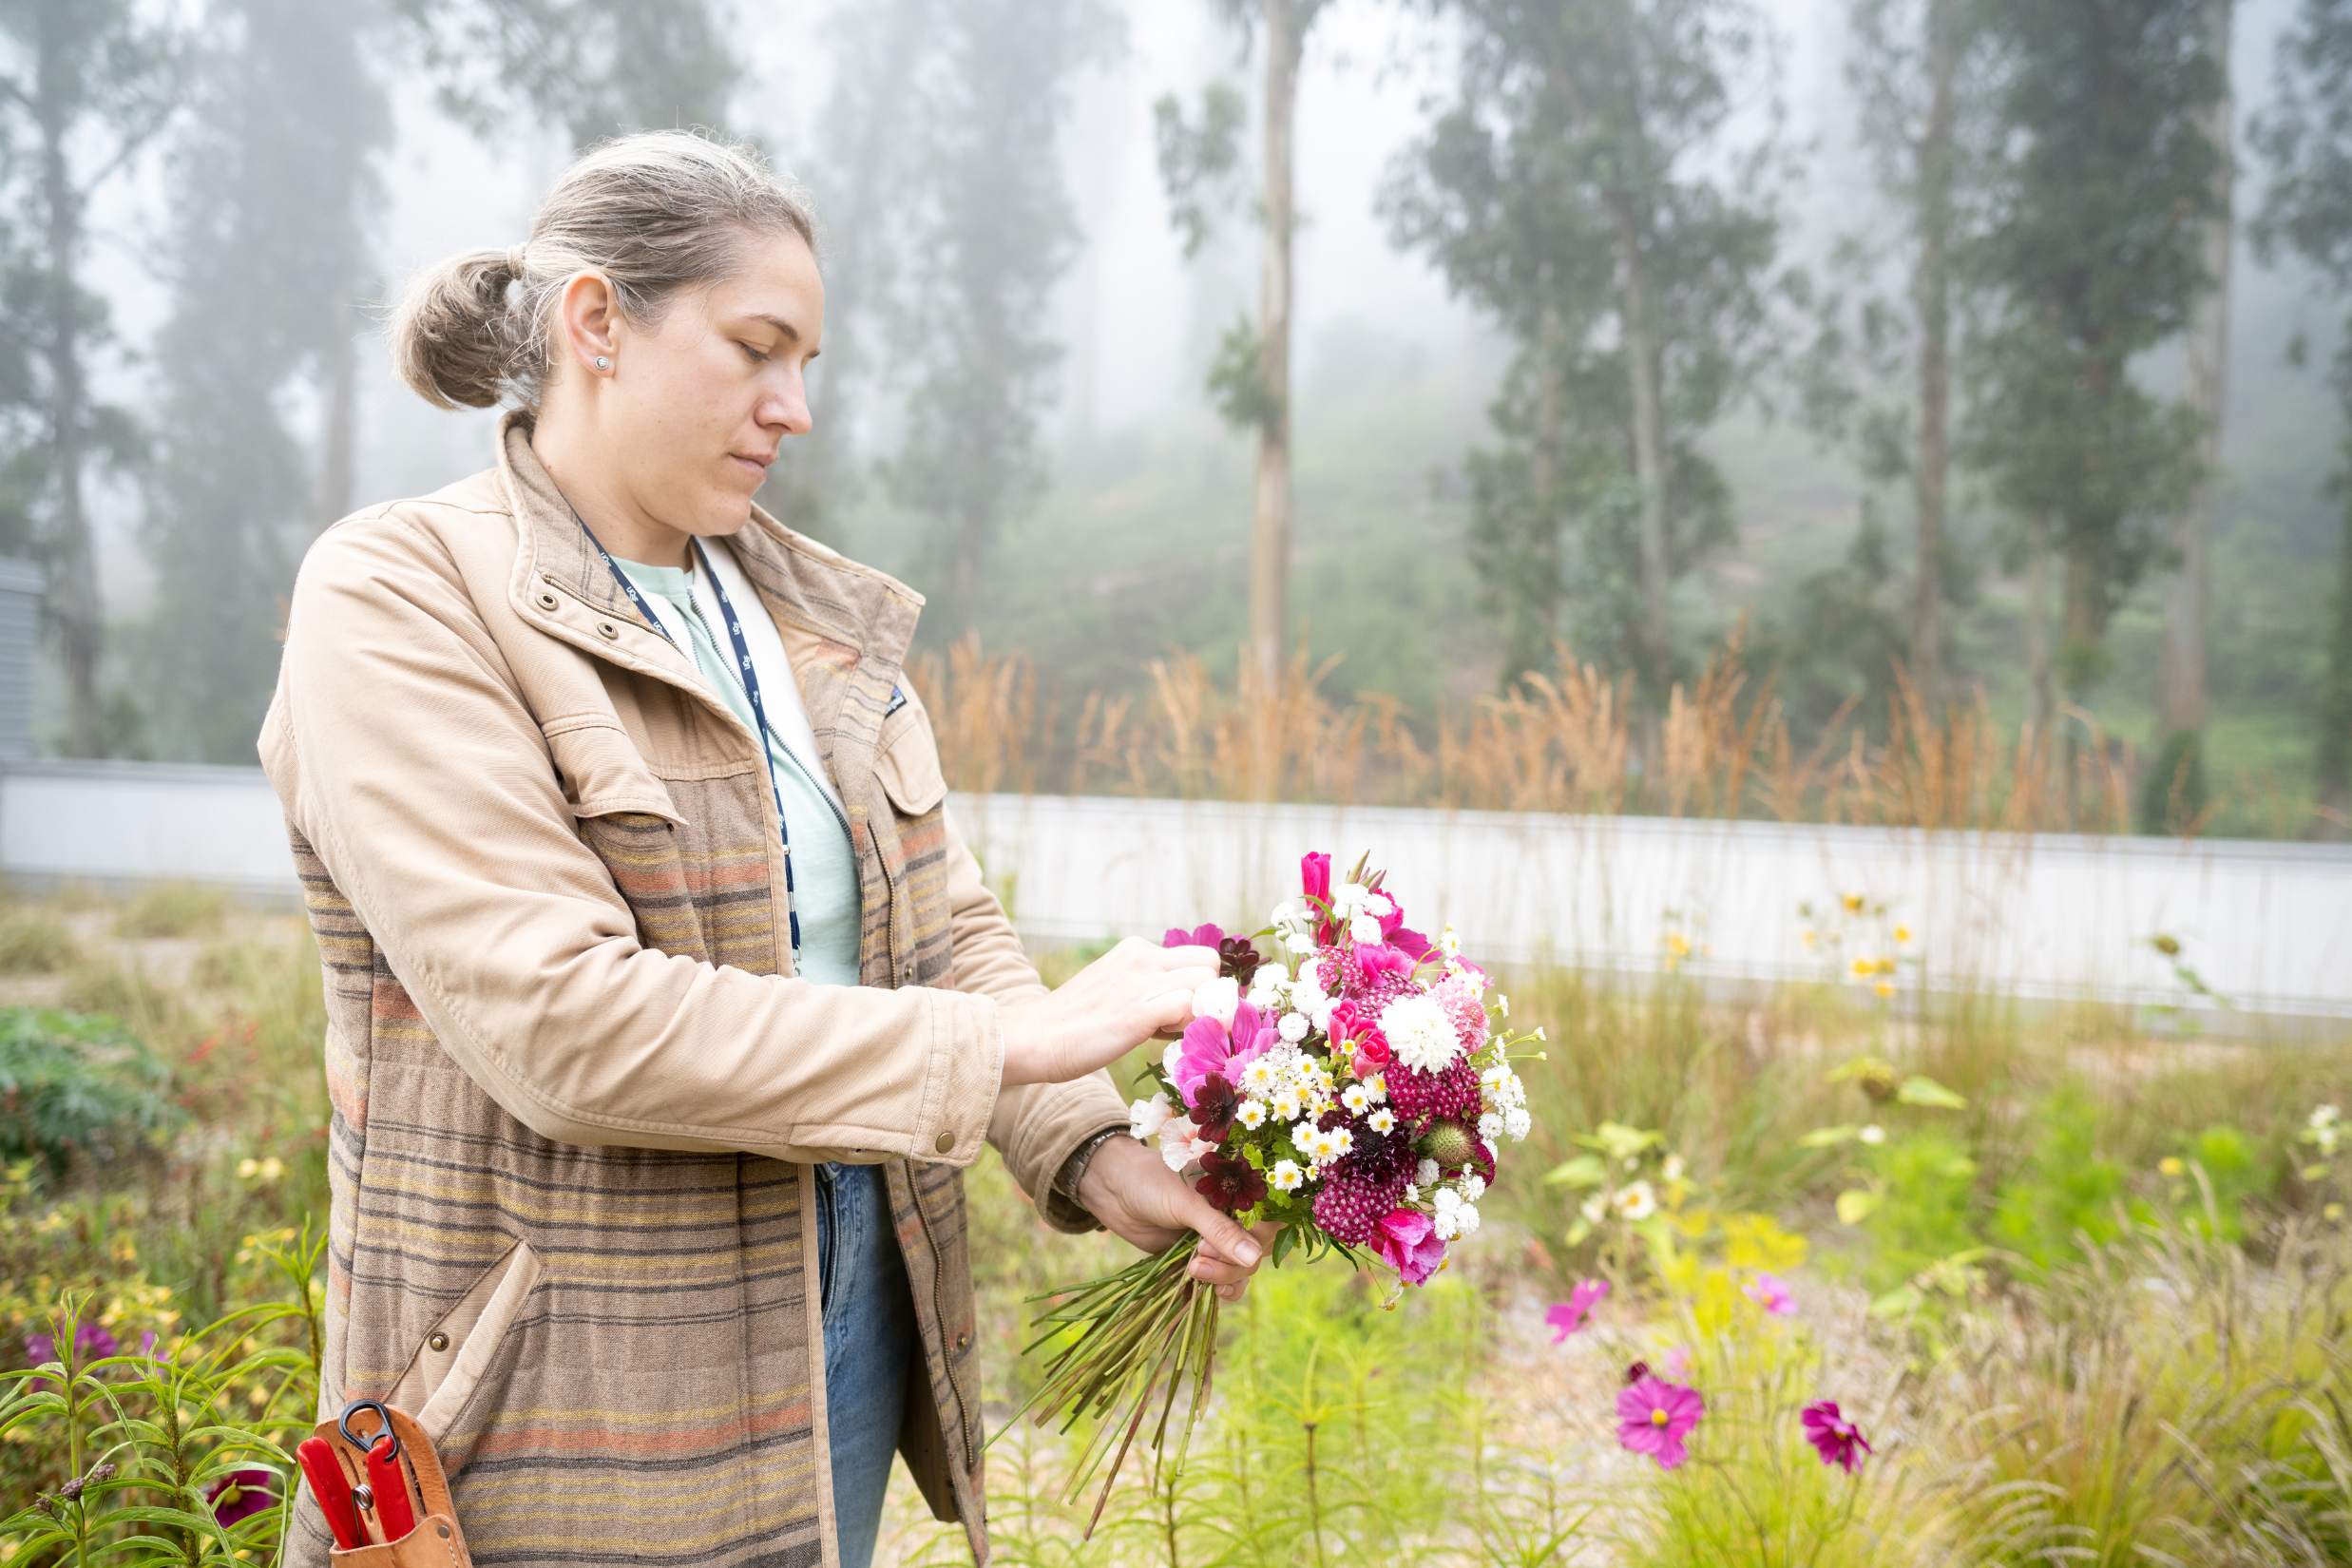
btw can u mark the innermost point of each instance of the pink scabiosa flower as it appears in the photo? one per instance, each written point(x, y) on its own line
point(1566, 1317)
point(1654, 1417)
point(1768, 1291)
point(1406, 1239)
point(1837, 1440)
point(241, 1494)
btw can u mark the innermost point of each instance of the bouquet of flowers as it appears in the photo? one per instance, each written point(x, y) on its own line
point(1355, 1092)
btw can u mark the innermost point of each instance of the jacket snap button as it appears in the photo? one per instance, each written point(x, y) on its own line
point(546, 600)
point(437, 1340)
point(962, 1340)
point(943, 1142)
point(608, 628)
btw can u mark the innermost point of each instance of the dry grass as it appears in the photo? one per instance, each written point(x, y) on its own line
point(1572, 739)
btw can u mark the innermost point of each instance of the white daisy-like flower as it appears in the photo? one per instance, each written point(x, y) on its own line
point(1303, 1133)
point(1426, 1173)
point(1340, 1141)
point(1449, 939)
point(1145, 1118)
point(1873, 1134)
point(1380, 1120)
point(1420, 1033)
point(1294, 1026)
point(1356, 1098)
point(1285, 1177)
point(1637, 1201)
point(1251, 1113)
point(1364, 928)
point(1378, 1083)
point(1285, 1105)
point(1258, 1076)
point(1218, 999)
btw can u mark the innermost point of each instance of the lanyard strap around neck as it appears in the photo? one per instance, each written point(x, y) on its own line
point(743, 666)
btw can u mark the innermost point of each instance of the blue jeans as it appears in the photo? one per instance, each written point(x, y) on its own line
point(869, 1345)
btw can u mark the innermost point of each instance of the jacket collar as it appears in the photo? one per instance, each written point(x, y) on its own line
point(812, 591)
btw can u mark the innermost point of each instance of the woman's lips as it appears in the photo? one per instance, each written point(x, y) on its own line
point(747, 466)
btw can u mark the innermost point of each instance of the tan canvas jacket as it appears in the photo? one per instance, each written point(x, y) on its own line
point(576, 1088)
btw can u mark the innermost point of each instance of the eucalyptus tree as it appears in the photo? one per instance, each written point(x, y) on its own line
point(2305, 139)
point(1584, 184)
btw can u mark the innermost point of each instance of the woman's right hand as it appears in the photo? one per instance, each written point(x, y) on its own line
point(1133, 992)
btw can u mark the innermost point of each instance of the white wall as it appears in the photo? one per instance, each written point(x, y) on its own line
point(2266, 925)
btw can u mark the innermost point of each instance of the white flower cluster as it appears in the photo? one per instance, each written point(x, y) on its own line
point(1421, 1033)
point(1297, 1001)
point(1286, 1084)
point(1322, 1145)
point(1503, 1105)
point(1455, 1214)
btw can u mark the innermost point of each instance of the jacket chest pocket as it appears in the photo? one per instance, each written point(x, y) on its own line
point(625, 812)
point(910, 817)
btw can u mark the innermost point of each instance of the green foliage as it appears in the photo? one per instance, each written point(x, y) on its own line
point(2174, 793)
point(172, 910)
point(1923, 1212)
point(2066, 1195)
point(1199, 159)
point(74, 1088)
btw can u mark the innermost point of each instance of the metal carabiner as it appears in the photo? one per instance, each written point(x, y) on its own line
point(367, 1445)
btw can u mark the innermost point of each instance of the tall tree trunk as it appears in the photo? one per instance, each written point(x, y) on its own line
point(1270, 536)
point(2041, 658)
point(2189, 593)
point(74, 600)
point(1933, 296)
point(1642, 366)
point(339, 439)
point(2335, 747)
point(1543, 475)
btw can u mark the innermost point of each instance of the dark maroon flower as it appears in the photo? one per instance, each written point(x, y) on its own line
point(1200, 936)
point(1232, 1185)
point(241, 1494)
point(1237, 958)
point(1634, 1373)
point(1214, 1107)
point(1837, 1440)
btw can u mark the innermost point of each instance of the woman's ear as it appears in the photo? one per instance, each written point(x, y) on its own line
point(589, 321)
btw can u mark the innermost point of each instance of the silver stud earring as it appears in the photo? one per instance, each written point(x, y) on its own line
point(602, 363)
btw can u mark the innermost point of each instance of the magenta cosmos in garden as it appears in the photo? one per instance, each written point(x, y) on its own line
point(1770, 1292)
point(1653, 1416)
point(1838, 1440)
point(1566, 1317)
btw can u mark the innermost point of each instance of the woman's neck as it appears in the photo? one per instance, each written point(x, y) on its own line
point(622, 526)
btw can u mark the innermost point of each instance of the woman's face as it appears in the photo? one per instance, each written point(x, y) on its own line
point(702, 402)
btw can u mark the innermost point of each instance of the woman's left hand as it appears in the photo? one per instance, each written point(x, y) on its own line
point(1130, 1189)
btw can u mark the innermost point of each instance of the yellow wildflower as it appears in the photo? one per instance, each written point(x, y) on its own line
point(1853, 902)
point(2171, 1165)
point(1902, 935)
point(1884, 988)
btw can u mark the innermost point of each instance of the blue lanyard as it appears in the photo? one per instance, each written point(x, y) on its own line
point(750, 685)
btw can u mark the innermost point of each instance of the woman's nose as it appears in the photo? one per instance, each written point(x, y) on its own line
point(787, 408)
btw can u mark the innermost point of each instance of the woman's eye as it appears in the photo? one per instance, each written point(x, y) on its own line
point(757, 358)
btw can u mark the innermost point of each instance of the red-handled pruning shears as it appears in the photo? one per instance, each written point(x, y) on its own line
point(332, 1490)
point(386, 1492)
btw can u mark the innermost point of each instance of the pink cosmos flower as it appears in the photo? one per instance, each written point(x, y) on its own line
point(1407, 1241)
point(1676, 1361)
point(1838, 1440)
point(1768, 1291)
point(1200, 936)
point(1209, 1048)
point(1653, 1416)
point(1566, 1317)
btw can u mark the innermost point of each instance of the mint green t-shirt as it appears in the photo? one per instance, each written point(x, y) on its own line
point(824, 870)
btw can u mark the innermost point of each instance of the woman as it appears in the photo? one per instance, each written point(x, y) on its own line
point(665, 1007)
